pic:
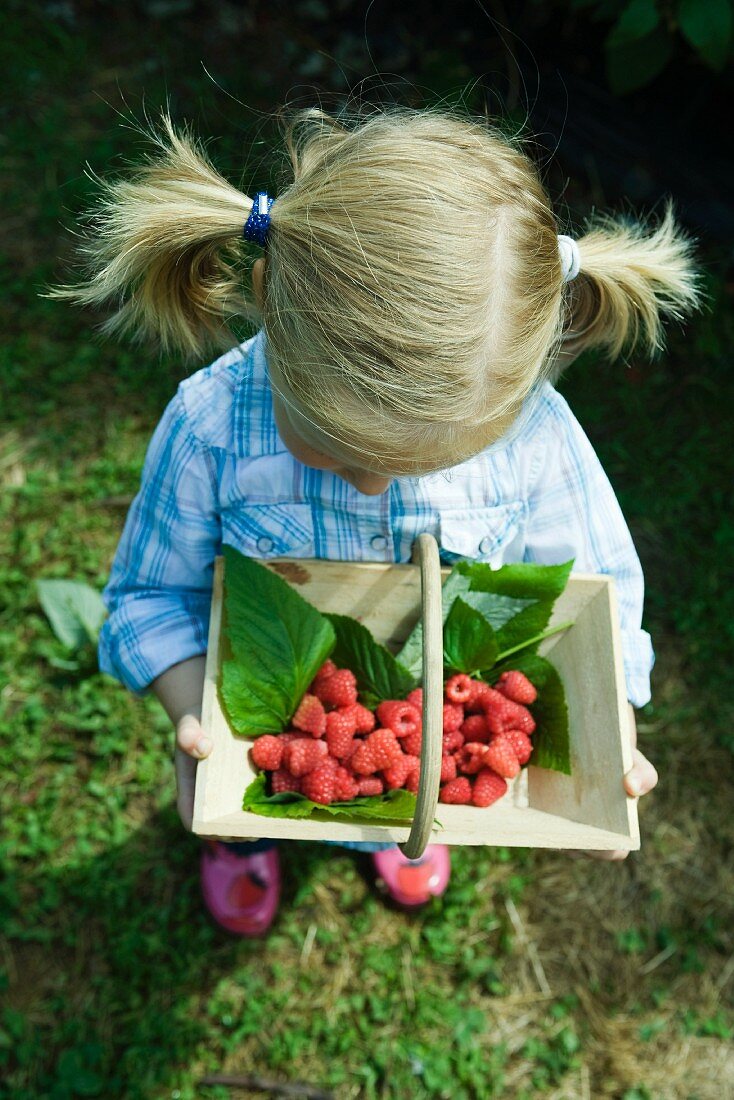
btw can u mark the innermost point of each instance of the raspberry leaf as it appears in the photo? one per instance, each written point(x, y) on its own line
point(469, 642)
point(515, 600)
point(273, 644)
point(522, 580)
point(379, 675)
point(396, 806)
point(551, 748)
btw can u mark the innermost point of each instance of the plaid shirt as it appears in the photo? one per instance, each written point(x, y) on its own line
point(216, 471)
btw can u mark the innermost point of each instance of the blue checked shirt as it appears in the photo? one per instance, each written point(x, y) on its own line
point(216, 471)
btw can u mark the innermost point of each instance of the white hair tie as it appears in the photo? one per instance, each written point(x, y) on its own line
point(570, 257)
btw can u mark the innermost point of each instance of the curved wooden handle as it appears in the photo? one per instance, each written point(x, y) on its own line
point(432, 745)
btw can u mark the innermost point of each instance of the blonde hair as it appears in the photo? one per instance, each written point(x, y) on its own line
point(413, 289)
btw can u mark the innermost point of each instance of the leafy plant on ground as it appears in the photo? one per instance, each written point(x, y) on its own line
point(646, 36)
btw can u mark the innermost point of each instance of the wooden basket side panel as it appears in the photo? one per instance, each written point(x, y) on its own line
point(593, 678)
point(502, 824)
point(221, 778)
point(383, 597)
point(580, 590)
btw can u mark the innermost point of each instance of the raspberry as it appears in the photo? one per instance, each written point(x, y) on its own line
point(303, 755)
point(452, 741)
point(459, 688)
point(448, 768)
point(310, 716)
point(284, 781)
point(397, 773)
point(413, 776)
point(384, 747)
point(503, 714)
point(340, 730)
point(289, 735)
point(319, 785)
point(516, 686)
point(373, 785)
point(479, 696)
point(400, 717)
point(267, 752)
point(488, 787)
point(327, 669)
point(475, 728)
point(364, 719)
point(471, 758)
point(413, 743)
point(453, 716)
point(362, 761)
point(346, 786)
point(501, 757)
point(415, 698)
point(521, 743)
point(456, 791)
point(339, 689)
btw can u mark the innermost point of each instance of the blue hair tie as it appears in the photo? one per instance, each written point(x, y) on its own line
point(258, 223)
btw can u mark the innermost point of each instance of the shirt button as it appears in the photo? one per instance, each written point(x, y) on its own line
point(485, 545)
point(378, 542)
point(264, 544)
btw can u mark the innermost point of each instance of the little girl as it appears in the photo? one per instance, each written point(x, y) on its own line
point(417, 303)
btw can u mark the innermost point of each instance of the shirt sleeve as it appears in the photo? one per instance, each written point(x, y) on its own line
point(159, 591)
point(574, 513)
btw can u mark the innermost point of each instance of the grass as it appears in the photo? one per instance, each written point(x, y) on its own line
point(534, 976)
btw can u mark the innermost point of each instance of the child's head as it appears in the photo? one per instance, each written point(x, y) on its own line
point(412, 293)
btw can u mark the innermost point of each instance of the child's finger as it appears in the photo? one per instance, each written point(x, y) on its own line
point(191, 739)
point(641, 777)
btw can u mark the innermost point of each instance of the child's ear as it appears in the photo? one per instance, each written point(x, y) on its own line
point(258, 277)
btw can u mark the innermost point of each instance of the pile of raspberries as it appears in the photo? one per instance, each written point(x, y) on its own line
point(338, 749)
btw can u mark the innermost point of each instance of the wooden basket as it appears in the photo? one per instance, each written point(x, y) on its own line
point(542, 808)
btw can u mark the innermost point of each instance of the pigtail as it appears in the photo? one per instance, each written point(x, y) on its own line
point(630, 278)
point(309, 135)
point(164, 244)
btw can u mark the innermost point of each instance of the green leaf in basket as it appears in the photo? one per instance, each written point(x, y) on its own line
point(379, 675)
point(469, 642)
point(393, 807)
point(550, 741)
point(524, 593)
point(522, 580)
point(496, 608)
point(411, 655)
point(516, 600)
point(273, 643)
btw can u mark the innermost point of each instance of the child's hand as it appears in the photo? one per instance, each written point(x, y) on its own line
point(639, 780)
point(191, 745)
point(180, 689)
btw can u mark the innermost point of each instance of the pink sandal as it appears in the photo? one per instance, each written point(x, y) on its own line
point(240, 891)
point(412, 882)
